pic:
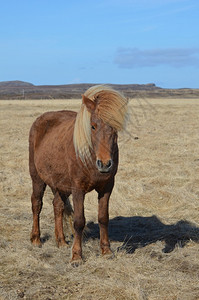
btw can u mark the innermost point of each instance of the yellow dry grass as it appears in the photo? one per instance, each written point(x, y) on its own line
point(154, 211)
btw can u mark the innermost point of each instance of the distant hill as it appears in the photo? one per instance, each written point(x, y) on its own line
point(16, 83)
point(25, 90)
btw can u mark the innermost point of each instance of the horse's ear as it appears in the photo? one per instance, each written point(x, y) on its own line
point(90, 105)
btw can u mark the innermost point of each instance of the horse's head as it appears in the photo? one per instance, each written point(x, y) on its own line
point(101, 116)
point(103, 138)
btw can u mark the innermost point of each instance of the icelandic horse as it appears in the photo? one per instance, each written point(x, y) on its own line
point(75, 153)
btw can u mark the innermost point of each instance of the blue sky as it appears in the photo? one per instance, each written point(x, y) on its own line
point(107, 41)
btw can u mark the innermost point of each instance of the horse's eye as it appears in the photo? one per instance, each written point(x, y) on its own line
point(93, 127)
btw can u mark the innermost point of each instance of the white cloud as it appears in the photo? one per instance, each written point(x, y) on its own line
point(129, 58)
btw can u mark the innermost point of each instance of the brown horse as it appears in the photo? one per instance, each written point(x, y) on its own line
point(74, 153)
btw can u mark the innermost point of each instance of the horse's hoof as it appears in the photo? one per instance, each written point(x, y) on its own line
point(106, 250)
point(36, 242)
point(107, 253)
point(76, 262)
point(62, 244)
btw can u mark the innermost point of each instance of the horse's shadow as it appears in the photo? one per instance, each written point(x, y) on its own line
point(137, 232)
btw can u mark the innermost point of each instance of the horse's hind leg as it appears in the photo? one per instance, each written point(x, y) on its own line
point(59, 207)
point(36, 199)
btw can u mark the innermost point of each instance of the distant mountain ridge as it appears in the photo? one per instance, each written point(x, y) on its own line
point(24, 90)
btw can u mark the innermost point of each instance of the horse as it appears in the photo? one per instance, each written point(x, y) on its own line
point(75, 153)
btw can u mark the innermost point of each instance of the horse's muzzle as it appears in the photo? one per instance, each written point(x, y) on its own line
point(104, 167)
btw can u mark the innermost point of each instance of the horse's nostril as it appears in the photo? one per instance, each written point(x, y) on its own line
point(104, 168)
point(109, 164)
point(99, 164)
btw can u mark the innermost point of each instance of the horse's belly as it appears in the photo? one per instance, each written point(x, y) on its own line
point(52, 167)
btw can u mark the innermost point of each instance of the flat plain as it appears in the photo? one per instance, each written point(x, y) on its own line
point(154, 211)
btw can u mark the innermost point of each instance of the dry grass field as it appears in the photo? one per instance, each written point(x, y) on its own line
point(154, 211)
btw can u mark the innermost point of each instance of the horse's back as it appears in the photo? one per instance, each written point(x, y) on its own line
point(52, 119)
point(47, 122)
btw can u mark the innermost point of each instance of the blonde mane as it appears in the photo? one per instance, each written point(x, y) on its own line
point(111, 109)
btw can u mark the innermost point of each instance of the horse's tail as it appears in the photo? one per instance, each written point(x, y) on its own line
point(68, 218)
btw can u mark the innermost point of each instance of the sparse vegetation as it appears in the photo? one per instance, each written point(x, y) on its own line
point(154, 219)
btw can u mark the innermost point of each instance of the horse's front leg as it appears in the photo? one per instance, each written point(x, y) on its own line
point(79, 223)
point(103, 218)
